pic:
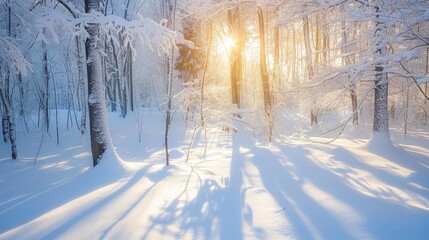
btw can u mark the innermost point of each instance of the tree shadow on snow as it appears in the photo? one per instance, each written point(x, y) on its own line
point(285, 180)
point(80, 186)
point(214, 213)
point(337, 196)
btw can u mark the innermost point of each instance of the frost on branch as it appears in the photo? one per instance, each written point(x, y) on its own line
point(158, 37)
point(12, 56)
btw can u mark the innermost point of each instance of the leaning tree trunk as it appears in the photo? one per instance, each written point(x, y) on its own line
point(99, 131)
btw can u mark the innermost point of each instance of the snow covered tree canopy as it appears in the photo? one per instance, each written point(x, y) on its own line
point(158, 37)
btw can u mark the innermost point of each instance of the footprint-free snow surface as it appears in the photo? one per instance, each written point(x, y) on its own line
point(234, 186)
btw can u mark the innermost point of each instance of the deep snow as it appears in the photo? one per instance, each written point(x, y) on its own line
point(236, 186)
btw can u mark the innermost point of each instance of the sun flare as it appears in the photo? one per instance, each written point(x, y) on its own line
point(228, 43)
point(225, 45)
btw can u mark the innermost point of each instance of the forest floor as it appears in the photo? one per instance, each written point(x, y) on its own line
point(234, 186)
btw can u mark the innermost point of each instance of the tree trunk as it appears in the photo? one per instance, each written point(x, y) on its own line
point(264, 72)
point(45, 95)
point(309, 65)
point(81, 86)
point(308, 52)
point(381, 116)
point(346, 61)
point(130, 76)
point(203, 79)
point(99, 131)
point(426, 121)
point(319, 40)
point(8, 124)
point(171, 14)
point(45, 99)
point(381, 120)
point(353, 97)
point(263, 63)
point(276, 61)
point(235, 55)
point(21, 101)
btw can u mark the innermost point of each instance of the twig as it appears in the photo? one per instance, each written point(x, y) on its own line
point(40, 146)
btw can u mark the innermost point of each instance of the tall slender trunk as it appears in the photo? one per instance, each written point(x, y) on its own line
point(45, 98)
point(46, 82)
point(22, 101)
point(81, 86)
point(235, 54)
point(276, 60)
point(263, 63)
point(346, 61)
point(119, 80)
point(294, 72)
point(264, 72)
point(203, 79)
point(8, 124)
point(308, 52)
point(309, 66)
point(130, 77)
point(427, 88)
point(129, 61)
point(171, 13)
point(319, 40)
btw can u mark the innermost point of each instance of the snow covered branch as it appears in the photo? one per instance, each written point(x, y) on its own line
point(12, 56)
point(156, 35)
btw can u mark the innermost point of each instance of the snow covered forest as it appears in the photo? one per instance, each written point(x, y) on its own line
point(214, 119)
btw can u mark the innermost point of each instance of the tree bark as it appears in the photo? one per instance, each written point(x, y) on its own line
point(81, 86)
point(203, 79)
point(276, 62)
point(309, 66)
point(45, 99)
point(264, 72)
point(263, 63)
point(381, 91)
point(171, 13)
point(347, 61)
point(8, 124)
point(96, 94)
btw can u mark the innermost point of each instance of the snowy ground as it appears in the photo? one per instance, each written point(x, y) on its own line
point(233, 187)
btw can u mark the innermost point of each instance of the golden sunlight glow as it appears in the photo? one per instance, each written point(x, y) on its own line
point(228, 43)
point(225, 45)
